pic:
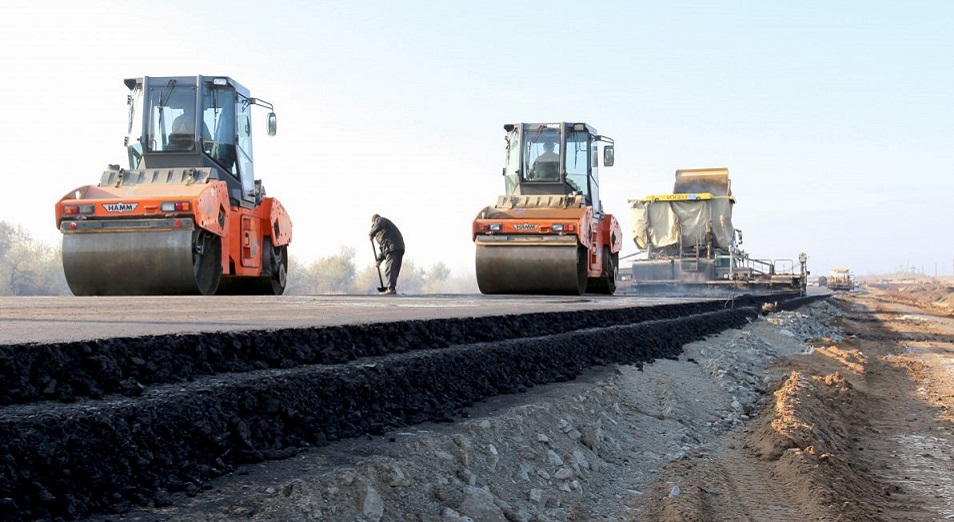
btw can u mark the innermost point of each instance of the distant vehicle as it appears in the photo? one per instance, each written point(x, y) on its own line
point(841, 280)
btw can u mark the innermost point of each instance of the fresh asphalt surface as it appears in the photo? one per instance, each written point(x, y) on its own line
point(57, 319)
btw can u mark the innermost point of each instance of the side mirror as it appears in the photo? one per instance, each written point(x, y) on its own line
point(271, 123)
point(608, 157)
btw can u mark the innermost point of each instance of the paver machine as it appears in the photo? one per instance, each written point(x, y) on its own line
point(188, 215)
point(548, 233)
point(841, 279)
point(692, 247)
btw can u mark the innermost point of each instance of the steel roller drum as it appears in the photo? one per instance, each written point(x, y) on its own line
point(530, 267)
point(147, 262)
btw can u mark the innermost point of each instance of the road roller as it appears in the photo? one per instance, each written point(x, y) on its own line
point(187, 216)
point(548, 234)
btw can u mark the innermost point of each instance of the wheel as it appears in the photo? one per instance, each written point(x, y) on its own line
point(273, 278)
point(581, 279)
point(606, 283)
point(279, 268)
point(611, 268)
point(207, 261)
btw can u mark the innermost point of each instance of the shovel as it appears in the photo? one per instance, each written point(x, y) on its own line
point(381, 288)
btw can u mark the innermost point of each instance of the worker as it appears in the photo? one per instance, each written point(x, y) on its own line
point(182, 136)
point(391, 250)
point(547, 165)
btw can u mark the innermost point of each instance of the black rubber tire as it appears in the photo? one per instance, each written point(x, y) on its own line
point(606, 283)
point(272, 281)
point(207, 261)
point(581, 279)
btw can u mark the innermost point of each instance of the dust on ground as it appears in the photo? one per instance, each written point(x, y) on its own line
point(838, 411)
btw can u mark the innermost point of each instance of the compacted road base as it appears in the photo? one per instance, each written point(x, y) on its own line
point(101, 425)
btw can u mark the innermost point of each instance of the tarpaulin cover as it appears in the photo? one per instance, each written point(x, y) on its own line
point(664, 223)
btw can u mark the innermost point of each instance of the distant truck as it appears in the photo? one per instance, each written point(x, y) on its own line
point(840, 279)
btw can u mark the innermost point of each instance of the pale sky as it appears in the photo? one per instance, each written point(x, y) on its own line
point(835, 119)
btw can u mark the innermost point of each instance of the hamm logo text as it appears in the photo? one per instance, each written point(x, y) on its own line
point(120, 207)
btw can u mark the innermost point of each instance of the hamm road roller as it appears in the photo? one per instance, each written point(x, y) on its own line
point(548, 233)
point(188, 215)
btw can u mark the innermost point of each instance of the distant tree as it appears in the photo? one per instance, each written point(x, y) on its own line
point(335, 273)
point(411, 279)
point(332, 274)
point(366, 281)
point(462, 285)
point(298, 280)
point(11, 235)
point(28, 266)
point(435, 279)
point(338, 274)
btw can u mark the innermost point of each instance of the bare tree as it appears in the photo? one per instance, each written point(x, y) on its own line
point(367, 280)
point(435, 279)
point(299, 281)
point(333, 274)
point(411, 279)
point(11, 235)
point(28, 266)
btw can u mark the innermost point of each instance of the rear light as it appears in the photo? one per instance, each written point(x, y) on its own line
point(495, 227)
point(75, 210)
point(488, 227)
point(73, 225)
point(564, 227)
point(175, 206)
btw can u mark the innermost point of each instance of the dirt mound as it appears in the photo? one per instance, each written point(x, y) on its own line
point(808, 436)
point(857, 429)
point(932, 295)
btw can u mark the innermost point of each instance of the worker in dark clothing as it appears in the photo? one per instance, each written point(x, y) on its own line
point(392, 249)
point(547, 165)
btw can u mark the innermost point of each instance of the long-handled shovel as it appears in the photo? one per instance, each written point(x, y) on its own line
point(381, 288)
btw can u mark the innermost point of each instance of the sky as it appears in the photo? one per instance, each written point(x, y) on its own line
point(835, 119)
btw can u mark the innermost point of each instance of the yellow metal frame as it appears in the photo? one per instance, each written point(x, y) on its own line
point(679, 197)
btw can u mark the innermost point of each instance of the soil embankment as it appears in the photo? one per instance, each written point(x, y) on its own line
point(859, 429)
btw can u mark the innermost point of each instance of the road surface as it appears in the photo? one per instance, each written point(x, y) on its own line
point(58, 319)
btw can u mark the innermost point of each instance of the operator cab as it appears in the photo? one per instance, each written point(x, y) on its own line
point(555, 159)
point(195, 121)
